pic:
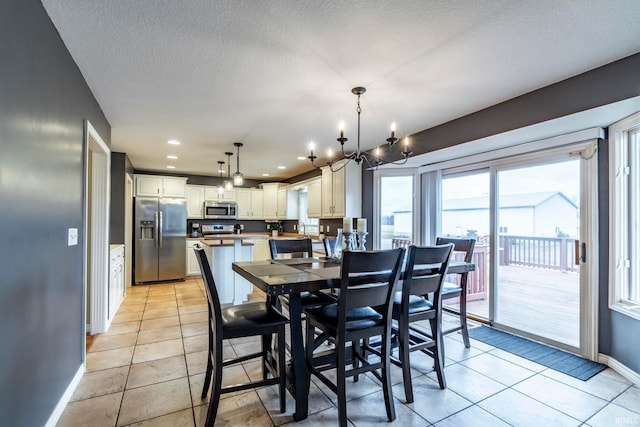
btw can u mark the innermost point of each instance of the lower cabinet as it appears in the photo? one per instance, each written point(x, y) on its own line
point(116, 278)
point(193, 268)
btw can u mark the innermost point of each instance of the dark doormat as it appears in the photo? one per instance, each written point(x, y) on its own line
point(558, 360)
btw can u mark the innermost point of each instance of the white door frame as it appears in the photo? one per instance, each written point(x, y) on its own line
point(128, 229)
point(97, 176)
point(584, 144)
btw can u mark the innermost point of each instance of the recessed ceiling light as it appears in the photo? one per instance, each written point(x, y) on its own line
point(265, 174)
point(172, 157)
point(282, 167)
point(171, 167)
point(302, 158)
point(173, 142)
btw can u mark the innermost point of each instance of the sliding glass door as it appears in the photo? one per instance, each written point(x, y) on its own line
point(526, 214)
point(465, 213)
point(537, 277)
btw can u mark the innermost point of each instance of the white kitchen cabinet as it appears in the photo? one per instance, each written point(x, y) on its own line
point(287, 203)
point(342, 191)
point(250, 201)
point(195, 201)
point(275, 201)
point(116, 278)
point(160, 186)
point(270, 201)
point(212, 193)
point(193, 268)
point(314, 198)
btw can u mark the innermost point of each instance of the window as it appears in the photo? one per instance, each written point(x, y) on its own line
point(395, 214)
point(307, 226)
point(624, 205)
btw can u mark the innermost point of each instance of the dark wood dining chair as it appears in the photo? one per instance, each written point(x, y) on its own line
point(421, 299)
point(246, 320)
point(294, 248)
point(297, 248)
point(368, 282)
point(455, 286)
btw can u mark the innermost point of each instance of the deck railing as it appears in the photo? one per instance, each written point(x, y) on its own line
point(552, 253)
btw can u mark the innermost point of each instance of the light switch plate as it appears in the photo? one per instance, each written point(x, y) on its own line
point(327, 228)
point(72, 237)
point(322, 228)
point(241, 226)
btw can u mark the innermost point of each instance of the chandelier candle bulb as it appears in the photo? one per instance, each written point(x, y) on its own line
point(362, 225)
point(341, 128)
point(347, 225)
point(393, 129)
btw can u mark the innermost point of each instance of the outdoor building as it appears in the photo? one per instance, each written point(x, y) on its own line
point(544, 214)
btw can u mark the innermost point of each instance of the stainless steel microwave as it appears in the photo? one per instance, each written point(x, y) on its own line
point(220, 210)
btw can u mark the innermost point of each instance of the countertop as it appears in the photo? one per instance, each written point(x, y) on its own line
point(253, 236)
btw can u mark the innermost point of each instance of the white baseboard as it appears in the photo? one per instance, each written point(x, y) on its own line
point(66, 396)
point(623, 370)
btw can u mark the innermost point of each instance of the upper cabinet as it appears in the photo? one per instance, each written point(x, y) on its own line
point(270, 200)
point(341, 191)
point(280, 201)
point(213, 193)
point(195, 201)
point(314, 198)
point(250, 201)
point(160, 186)
point(287, 203)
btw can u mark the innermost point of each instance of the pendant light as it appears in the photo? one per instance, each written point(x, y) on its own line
point(220, 184)
point(238, 178)
point(228, 185)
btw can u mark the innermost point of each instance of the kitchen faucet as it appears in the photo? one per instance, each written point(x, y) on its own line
point(304, 230)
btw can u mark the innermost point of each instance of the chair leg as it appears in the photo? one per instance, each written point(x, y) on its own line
point(266, 347)
point(216, 391)
point(386, 377)
point(438, 352)
point(207, 377)
point(463, 319)
point(403, 344)
point(281, 370)
point(341, 392)
point(355, 347)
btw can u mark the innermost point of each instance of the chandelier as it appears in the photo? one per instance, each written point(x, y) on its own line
point(228, 184)
point(220, 171)
point(238, 178)
point(358, 156)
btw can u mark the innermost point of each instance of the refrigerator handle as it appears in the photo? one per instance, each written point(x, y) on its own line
point(155, 226)
point(160, 231)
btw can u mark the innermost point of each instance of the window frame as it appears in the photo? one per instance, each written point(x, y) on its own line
point(416, 214)
point(623, 182)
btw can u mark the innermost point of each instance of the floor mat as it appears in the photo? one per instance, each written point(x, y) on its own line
point(558, 360)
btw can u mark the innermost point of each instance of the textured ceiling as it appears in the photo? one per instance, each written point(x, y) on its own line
point(275, 75)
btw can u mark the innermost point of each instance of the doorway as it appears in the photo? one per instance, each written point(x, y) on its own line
point(534, 218)
point(96, 226)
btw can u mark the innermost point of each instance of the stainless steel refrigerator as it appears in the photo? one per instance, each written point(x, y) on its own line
point(160, 239)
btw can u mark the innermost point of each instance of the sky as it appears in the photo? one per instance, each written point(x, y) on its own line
point(397, 191)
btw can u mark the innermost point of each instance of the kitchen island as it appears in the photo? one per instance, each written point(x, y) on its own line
point(232, 289)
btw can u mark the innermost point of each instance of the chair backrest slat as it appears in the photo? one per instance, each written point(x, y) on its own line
point(369, 277)
point(294, 247)
point(460, 245)
point(416, 283)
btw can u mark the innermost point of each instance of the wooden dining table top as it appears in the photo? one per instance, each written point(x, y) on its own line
point(284, 276)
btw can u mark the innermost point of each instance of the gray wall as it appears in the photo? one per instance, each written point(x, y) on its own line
point(619, 335)
point(43, 103)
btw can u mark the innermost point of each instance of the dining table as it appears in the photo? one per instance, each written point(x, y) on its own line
point(291, 277)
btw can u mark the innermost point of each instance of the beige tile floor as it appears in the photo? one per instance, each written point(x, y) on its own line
point(149, 368)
